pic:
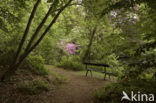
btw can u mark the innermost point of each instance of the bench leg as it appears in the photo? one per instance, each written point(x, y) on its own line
point(86, 73)
point(105, 76)
point(91, 73)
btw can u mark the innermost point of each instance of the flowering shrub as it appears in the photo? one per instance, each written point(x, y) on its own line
point(69, 48)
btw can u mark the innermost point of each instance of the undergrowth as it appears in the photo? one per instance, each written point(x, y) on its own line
point(36, 86)
point(58, 79)
point(71, 63)
point(35, 64)
point(113, 92)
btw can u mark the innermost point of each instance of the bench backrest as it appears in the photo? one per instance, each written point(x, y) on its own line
point(97, 64)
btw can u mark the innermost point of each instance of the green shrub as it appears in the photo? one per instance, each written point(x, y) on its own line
point(34, 87)
point(113, 92)
point(71, 63)
point(6, 58)
point(33, 63)
point(36, 65)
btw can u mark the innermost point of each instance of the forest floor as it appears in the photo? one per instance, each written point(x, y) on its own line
point(78, 88)
point(74, 87)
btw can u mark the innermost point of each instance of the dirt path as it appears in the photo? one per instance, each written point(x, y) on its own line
point(77, 89)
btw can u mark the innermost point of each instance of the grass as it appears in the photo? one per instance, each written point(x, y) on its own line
point(59, 79)
point(49, 66)
point(81, 73)
point(94, 74)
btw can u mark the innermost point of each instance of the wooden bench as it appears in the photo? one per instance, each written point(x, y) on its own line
point(101, 65)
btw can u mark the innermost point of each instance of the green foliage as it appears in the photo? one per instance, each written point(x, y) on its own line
point(6, 58)
point(113, 92)
point(36, 65)
point(124, 41)
point(70, 63)
point(36, 86)
point(48, 50)
point(33, 63)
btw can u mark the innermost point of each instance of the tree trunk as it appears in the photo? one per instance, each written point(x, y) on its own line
point(26, 32)
point(89, 45)
point(45, 32)
point(9, 72)
point(13, 67)
point(39, 27)
point(16, 65)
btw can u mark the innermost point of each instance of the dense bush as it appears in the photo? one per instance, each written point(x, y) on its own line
point(36, 65)
point(33, 63)
point(113, 92)
point(34, 87)
point(6, 57)
point(71, 63)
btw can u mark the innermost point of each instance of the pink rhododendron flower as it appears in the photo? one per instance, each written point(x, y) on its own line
point(70, 48)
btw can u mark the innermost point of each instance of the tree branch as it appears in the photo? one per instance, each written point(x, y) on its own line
point(26, 31)
point(39, 27)
point(45, 32)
